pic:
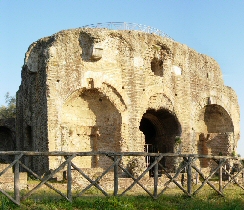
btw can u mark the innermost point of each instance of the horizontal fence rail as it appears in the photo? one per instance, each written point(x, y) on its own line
point(128, 26)
point(186, 172)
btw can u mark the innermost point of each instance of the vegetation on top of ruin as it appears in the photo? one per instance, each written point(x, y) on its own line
point(8, 110)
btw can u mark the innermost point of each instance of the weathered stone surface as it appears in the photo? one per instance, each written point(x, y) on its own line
point(100, 89)
point(7, 179)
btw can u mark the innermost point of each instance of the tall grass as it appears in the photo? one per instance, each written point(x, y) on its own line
point(173, 199)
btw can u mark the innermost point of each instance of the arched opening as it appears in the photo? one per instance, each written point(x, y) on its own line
point(160, 129)
point(216, 131)
point(90, 122)
point(6, 144)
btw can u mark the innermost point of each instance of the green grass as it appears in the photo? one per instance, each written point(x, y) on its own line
point(173, 199)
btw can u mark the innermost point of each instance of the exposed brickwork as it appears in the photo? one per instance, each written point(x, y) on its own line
point(99, 89)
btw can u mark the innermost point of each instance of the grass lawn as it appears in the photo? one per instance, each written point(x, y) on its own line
point(173, 199)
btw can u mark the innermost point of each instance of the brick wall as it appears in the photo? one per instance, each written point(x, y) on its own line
point(91, 89)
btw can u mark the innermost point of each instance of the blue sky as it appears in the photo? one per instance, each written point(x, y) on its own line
point(212, 27)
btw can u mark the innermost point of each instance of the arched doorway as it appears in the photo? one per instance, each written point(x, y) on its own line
point(90, 122)
point(6, 144)
point(160, 129)
point(216, 132)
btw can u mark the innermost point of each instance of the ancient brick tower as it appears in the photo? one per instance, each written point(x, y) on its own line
point(93, 89)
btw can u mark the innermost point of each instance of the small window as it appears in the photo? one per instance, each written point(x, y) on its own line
point(157, 67)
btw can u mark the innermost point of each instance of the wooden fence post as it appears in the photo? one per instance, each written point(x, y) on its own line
point(16, 181)
point(189, 177)
point(116, 180)
point(69, 181)
point(155, 192)
point(220, 177)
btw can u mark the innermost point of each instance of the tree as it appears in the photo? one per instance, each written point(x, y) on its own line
point(8, 111)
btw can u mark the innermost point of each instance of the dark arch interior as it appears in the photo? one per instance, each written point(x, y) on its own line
point(6, 141)
point(4, 129)
point(149, 130)
point(6, 144)
point(160, 129)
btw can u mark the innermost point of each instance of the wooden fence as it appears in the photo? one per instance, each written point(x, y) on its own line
point(188, 163)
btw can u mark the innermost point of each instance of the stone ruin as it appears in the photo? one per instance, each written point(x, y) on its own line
point(97, 89)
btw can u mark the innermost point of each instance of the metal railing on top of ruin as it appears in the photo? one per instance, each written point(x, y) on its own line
point(128, 26)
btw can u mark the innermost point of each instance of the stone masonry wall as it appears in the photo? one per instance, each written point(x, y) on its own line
point(31, 116)
point(99, 89)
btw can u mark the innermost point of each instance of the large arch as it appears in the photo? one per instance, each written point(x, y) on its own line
point(106, 88)
point(160, 128)
point(6, 143)
point(90, 122)
point(215, 131)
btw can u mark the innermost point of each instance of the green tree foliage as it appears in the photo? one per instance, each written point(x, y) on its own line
point(9, 110)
